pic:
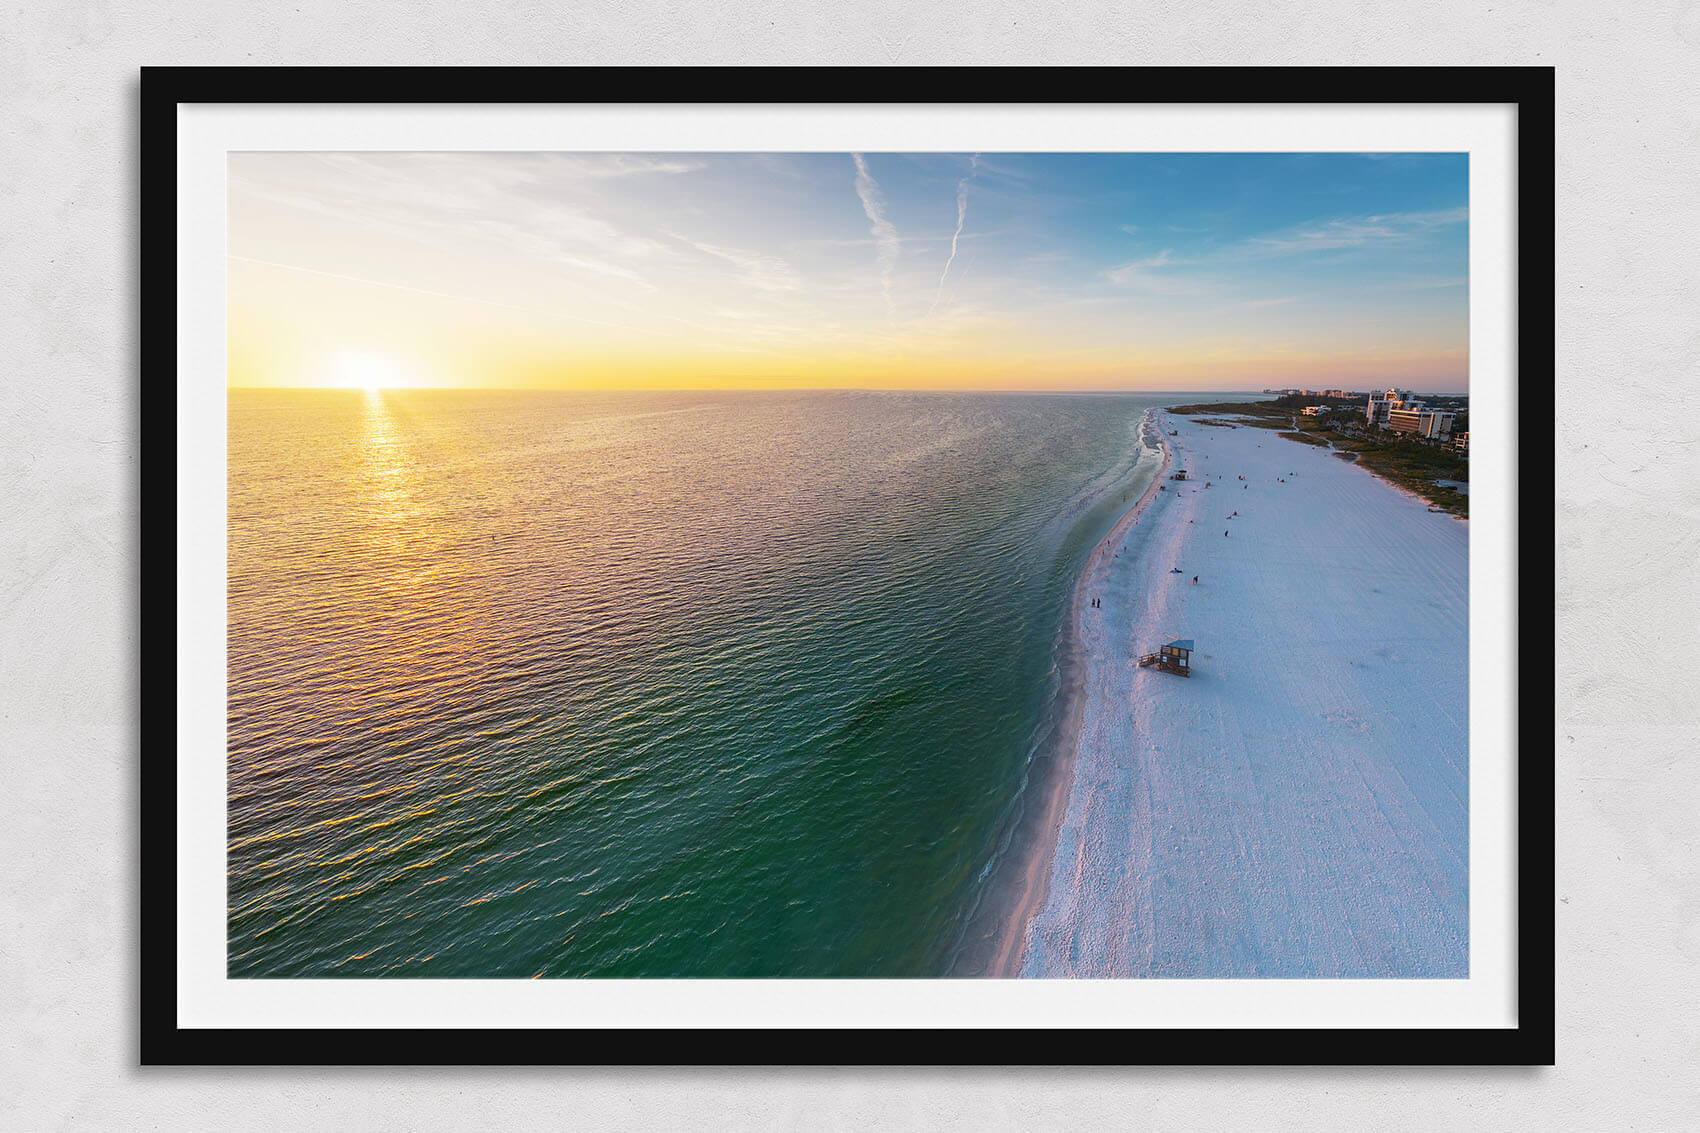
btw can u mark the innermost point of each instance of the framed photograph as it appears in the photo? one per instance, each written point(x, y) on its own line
point(753, 580)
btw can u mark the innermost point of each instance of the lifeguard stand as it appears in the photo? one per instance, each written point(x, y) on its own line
point(1175, 657)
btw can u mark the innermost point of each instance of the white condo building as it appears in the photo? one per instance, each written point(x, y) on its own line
point(1383, 403)
point(1434, 423)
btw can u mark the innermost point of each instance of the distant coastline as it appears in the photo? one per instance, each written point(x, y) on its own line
point(1429, 472)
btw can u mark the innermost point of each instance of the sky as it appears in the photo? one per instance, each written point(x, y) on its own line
point(870, 270)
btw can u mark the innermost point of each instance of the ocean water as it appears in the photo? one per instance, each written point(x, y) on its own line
point(643, 685)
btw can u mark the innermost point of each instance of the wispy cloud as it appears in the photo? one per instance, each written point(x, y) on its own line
point(884, 232)
point(621, 165)
point(1430, 284)
point(1004, 172)
point(368, 282)
point(961, 218)
point(605, 268)
point(517, 201)
point(1136, 270)
point(1356, 232)
point(761, 271)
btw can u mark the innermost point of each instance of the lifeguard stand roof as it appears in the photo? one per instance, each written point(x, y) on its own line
point(1184, 643)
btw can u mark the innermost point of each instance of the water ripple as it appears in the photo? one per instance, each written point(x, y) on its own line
point(640, 685)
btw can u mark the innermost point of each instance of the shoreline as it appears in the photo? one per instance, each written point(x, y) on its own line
point(1034, 886)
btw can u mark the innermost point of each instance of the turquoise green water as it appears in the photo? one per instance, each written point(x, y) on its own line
point(643, 685)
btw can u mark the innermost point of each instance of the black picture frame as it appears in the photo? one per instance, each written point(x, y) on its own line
point(164, 1041)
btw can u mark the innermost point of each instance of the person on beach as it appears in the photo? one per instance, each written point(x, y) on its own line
point(1195, 580)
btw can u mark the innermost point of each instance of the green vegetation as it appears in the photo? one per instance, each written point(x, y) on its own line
point(1410, 463)
point(1413, 465)
point(1260, 411)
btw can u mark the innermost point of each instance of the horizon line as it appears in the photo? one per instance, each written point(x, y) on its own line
point(767, 389)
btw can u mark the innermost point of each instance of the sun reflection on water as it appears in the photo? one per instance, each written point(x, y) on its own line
point(395, 505)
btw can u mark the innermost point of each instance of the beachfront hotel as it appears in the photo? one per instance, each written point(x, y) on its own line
point(1420, 421)
point(1383, 403)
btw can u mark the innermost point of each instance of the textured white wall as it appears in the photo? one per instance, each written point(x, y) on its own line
point(1627, 488)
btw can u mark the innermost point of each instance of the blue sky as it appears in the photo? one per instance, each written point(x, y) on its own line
point(1171, 271)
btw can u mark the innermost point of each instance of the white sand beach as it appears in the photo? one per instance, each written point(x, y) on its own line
point(1298, 806)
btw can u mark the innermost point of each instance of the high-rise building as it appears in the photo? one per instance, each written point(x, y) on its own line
point(1416, 420)
point(1384, 402)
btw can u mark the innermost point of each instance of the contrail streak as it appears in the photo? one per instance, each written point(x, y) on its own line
point(884, 232)
point(961, 216)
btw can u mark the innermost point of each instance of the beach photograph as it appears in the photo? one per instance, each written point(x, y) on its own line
point(847, 565)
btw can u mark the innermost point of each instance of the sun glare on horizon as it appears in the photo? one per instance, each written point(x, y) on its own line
point(361, 369)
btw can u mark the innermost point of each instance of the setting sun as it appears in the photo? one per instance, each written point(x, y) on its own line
point(358, 369)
